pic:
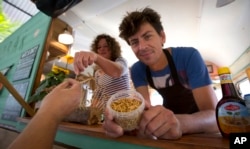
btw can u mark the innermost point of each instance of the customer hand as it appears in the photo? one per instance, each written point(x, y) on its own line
point(159, 122)
point(62, 100)
point(83, 59)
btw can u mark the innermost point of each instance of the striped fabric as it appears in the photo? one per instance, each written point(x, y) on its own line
point(106, 85)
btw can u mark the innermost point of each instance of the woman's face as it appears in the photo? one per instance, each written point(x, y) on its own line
point(103, 49)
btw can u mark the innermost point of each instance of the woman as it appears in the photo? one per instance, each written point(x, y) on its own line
point(111, 73)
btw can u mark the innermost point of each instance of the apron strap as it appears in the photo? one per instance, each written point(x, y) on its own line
point(172, 67)
point(149, 78)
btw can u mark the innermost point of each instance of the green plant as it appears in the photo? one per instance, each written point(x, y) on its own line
point(52, 80)
point(6, 26)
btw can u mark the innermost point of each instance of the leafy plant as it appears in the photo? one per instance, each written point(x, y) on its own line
point(6, 26)
point(52, 80)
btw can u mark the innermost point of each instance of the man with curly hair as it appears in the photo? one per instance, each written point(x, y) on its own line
point(177, 73)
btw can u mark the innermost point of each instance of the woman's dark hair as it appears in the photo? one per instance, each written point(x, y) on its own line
point(133, 21)
point(113, 45)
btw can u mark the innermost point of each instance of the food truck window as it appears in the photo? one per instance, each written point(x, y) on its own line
point(244, 86)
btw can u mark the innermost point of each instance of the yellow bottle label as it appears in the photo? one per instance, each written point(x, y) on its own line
point(225, 78)
point(233, 117)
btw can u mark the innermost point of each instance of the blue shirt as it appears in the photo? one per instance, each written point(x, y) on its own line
point(190, 66)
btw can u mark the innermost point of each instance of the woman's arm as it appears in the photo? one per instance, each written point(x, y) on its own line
point(83, 59)
point(113, 69)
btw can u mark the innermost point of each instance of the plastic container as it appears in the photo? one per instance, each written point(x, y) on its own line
point(126, 106)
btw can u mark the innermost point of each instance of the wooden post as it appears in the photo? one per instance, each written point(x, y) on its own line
point(16, 95)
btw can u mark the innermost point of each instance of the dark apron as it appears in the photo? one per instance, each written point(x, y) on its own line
point(177, 98)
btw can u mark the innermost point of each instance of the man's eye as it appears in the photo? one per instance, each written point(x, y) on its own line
point(147, 37)
point(133, 43)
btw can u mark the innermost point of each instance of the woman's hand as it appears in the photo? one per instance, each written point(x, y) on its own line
point(82, 60)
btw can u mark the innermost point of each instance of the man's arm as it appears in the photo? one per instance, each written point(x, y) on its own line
point(205, 119)
point(161, 122)
point(164, 124)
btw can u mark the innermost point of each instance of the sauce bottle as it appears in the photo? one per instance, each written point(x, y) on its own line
point(231, 112)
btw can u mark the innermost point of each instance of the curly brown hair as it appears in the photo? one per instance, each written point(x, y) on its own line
point(113, 45)
point(133, 21)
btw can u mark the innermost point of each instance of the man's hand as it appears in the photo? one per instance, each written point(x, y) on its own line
point(159, 122)
point(111, 128)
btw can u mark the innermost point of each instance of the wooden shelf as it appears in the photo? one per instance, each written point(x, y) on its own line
point(56, 50)
point(52, 46)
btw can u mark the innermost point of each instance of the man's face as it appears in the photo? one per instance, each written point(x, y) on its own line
point(147, 44)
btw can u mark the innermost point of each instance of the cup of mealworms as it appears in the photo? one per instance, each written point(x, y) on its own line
point(126, 106)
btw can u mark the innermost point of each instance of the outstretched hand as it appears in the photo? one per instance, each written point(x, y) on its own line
point(63, 99)
point(82, 60)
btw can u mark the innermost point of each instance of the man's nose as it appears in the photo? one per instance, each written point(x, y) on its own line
point(142, 45)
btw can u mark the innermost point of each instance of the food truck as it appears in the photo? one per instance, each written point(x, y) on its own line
point(219, 30)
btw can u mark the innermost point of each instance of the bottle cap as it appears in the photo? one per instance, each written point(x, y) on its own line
point(223, 70)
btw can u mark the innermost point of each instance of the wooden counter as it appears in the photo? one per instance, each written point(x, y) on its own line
point(84, 136)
